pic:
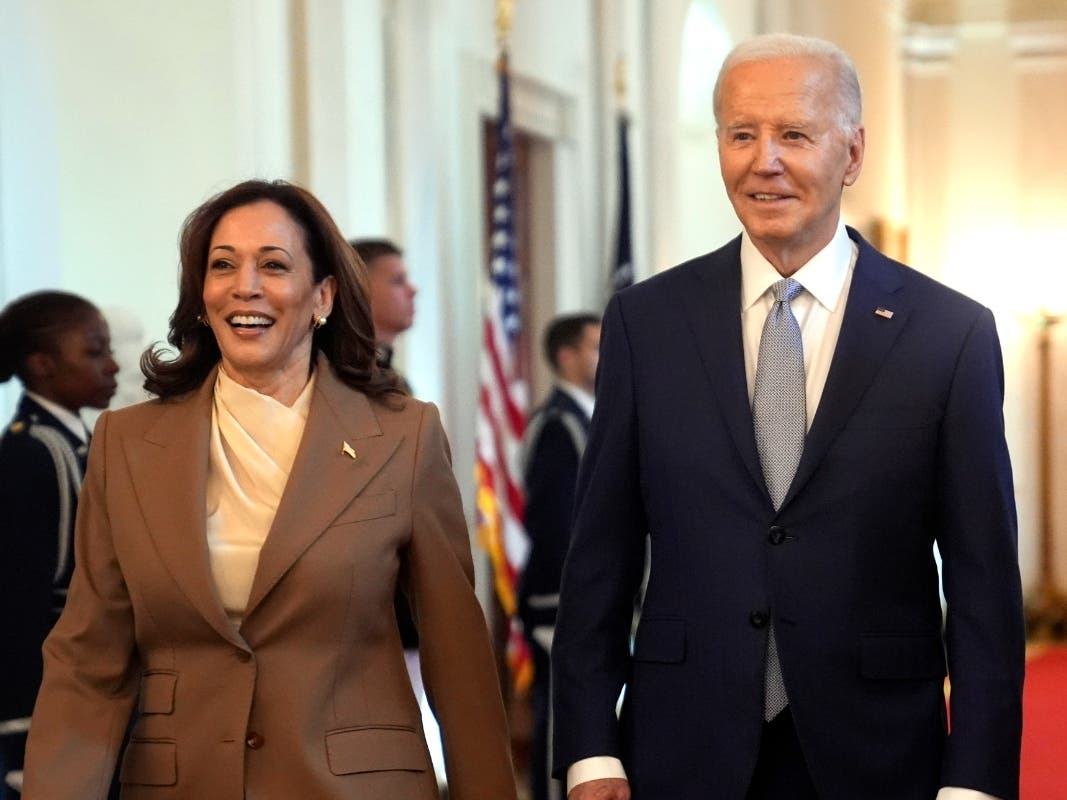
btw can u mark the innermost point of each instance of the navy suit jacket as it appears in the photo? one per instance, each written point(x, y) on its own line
point(36, 557)
point(906, 449)
point(551, 472)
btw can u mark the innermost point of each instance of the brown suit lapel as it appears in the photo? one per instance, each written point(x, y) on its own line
point(172, 489)
point(325, 478)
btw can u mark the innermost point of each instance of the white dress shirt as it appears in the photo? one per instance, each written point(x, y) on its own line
point(819, 311)
point(584, 399)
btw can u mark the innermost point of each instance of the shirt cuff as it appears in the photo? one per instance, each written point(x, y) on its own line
point(591, 769)
point(954, 793)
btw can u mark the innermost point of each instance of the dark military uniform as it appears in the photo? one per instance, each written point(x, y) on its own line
point(409, 634)
point(41, 469)
point(555, 439)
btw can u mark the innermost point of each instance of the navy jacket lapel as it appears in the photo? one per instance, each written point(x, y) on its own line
point(865, 339)
point(711, 298)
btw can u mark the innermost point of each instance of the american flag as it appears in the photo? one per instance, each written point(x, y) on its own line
point(502, 404)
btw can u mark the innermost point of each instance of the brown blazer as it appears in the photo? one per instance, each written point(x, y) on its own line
point(310, 698)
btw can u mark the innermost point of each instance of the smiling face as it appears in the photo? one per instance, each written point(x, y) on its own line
point(784, 156)
point(260, 299)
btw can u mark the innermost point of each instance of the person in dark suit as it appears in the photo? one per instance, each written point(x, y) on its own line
point(555, 439)
point(791, 643)
point(58, 346)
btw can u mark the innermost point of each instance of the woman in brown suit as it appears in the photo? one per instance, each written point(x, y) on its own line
point(239, 542)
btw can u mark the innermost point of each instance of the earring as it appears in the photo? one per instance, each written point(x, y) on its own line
point(318, 322)
point(203, 320)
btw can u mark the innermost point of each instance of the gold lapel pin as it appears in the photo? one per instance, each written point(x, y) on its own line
point(346, 448)
point(884, 312)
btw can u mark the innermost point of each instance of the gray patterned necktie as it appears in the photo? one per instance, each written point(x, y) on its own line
point(780, 418)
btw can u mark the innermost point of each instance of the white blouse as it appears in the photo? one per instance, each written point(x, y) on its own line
point(254, 440)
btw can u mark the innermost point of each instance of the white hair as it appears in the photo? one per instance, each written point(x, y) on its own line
point(772, 46)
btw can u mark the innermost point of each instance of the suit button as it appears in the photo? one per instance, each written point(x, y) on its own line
point(757, 619)
point(243, 656)
point(776, 535)
point(254, 740)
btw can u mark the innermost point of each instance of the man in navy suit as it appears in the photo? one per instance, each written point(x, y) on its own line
point(833, 586)
point(555, 440)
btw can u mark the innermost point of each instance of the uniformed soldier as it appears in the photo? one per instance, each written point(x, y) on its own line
point(58, 346)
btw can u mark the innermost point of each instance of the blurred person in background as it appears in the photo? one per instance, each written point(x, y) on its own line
point(58, 345)
point(391, 294)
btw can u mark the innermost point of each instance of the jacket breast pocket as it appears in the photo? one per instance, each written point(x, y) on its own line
point(375, 748)
point(150, 762)
point(892, 418)
point(365, 507)
point(891, 656)
point(660, 640)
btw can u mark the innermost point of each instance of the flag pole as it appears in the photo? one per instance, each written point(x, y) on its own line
point(502, 404)
point(505, 9)
point(622, 269)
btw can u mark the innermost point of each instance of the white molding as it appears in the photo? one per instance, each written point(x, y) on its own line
point(263, 88)
point(929, 44)
point(536, 107)
point(1039, 41)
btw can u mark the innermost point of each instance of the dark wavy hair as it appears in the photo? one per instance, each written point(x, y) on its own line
point(566, 331)
point(33, 324)
point(347, 340)
point(370, 249)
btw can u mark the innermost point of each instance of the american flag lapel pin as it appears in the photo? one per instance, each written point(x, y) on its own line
point(884, 312)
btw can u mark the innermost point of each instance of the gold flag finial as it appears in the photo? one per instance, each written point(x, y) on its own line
point(620, 81)
point(504, 11)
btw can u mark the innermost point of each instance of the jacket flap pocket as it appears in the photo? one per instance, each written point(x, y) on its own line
point(902, 656)
point(660, 640)
point(150, 762)
point(157, 692)
point(371, 506)
point(375, 749)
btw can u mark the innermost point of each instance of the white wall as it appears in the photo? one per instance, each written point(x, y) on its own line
point(706, 219)
point(117, 119)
